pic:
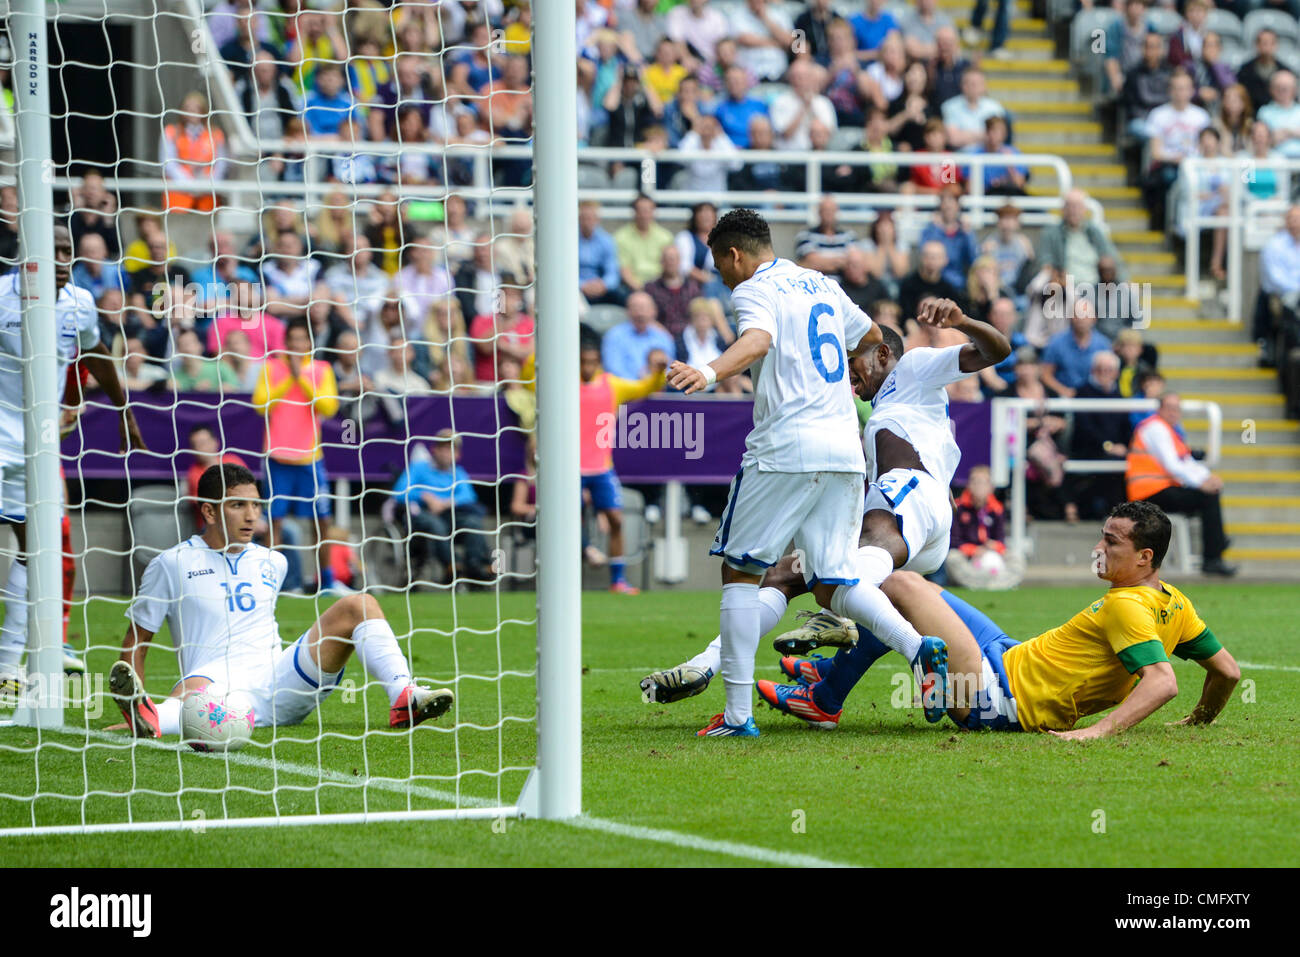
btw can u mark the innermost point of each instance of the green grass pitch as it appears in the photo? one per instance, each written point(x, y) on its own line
point(884, 789)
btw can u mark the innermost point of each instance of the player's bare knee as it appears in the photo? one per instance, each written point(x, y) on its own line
point(900, 585)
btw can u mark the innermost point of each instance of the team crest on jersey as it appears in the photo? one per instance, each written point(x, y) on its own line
point(268, 572)
point(1096, 605)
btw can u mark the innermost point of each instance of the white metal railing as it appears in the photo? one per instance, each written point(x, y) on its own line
point(1247, 220)
point(1008, 459)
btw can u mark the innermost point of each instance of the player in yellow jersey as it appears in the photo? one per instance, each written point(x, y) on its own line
point(1114, 652)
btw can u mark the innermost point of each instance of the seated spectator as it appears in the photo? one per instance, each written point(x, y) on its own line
point(978, 558)
point(1211, 73)
point(319, 41)
point(694, 256)
point(138, 373)
point(632, 107)
point(1208, 192)
point(762, 31)
point(267, 98)
point(1279, 298)
point(1067, 360)
point(237, 353)
point(927, 281)
point(1012, 250)
point(1075, 246)
point(919, 26)
point(509, 102)
point(117, 322)
point(1001, 180)
point(1146, 86)
point(863, 289)
point(673, 292)
point(327, 319)
point(472, 65)
point(934, 177)
point(507, 333)
point(984, 288)
point(249, 41)
point(1120, 304)
point(697, 27)
point(217, 281)
point(891, 257)
point(814, 25)
point(997, 380)
point(1125, 40)
point(515, 249)
point(476, 282)
point(193, 372)
point(835, 177)
point(422, 281)
point(883, 80)
point(93, 210)
point(1100, 436)
point(665, 74)
point(1047, 494)
point(348, 377)
point(409, 167)
point(708, 176)
point(1173, 129)
point(958, 242)
point(626, 348)
point(1185, 43)
point(598, 268)
point(457, 235)
point(1262, 181)
point(823, 247)
point(193, 154)
point(1233, 119)
point(1281, 114)
point(447, 339)
point(949, 68)
point(1151, 385)
point(910, 112)
point(359, 282)
point(1256, 74)
point(737, 108)
point(793, 110)
point(244, 313)
point(965, 116)
point(145, 286)
point(870, 27)
point(880, 177)
point(289, 277)
point(399, 376)
point(1161, 469)
point(329, 103)
point(763, 176)
point(206, 451)
point(1134, 364)
point(641, 243)
point(681, 115)
point(439, 499)
point(704, 338)
point(93, 271)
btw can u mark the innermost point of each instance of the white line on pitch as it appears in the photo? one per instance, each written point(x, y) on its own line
point(695, 843)
point(1251, 664)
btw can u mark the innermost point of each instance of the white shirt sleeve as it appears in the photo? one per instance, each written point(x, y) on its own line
point(856, 322)
point(754, 310)
point(156, 597)
point(1187, 471)
point(87, 322)
point(934, 367)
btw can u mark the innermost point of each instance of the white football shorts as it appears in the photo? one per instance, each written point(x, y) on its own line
point(923, 509)
point(13, 492)
point(821, 512)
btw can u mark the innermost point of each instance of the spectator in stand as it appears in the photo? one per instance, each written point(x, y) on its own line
point(330, 103)
point(645, 28)
point(891, 257)
point(793, 110)
point(870, 27)
point(1012, 250)
point(146, 285)
point(507, 333)
point(1211, 73)
point(421, 282)
point(508, 110)
point(863, 289)
point(598, 266)
point(458, 234)
point(1186, 42)
point(441, 503)
point(359, 282)
point(1256, 74)
point(328, 319)
point(1048, 496)
point(697, 27)
point(117, 323)
point(934, 177)
point(1281, 114)
point(910, 112)
point(193, 153)
point(640, 244)
point(737, 108)
point(763, 33)
point(93, 270)
point(1278, 309)
point(138, 373)
point(244, 312)
point(823, 247)
point(1208, 191)
point(1001, 180)
point(702, 340)
point(682, 113)
point(1173, 129)
point(515, 248)
point(207, 452)
point(814, 25)
point(948, 69)
point(958, 243)
point(1146, 86)
point(1100, 436)
point(93, 210)
point(1233, 121)
point(928, 281)
point(399, 377)
point(1134, 363)
point(411, 85)
point(882, 81)
point(673, 292)
point(919, 25)
point(627, 347)
point(706, 176)
point(997, 380)
point(965, 116)
point(978, 525)
point(319, 41)
point(348, 377)
point(1067, 360)
point(763, 176)
point(249, 41)
point(193, 372)
point(294, 392)
point(1125, 42)
point(1161, 469)
point(879, 177)
point(236, 353)
point(9, 228)
point(217, 281)
point(289, 277)
point(984, 288)
point(1075, 246)
point(476, 282)
point(1001, 27)
point(632, 107)
point(472, 67)
point(666, 73)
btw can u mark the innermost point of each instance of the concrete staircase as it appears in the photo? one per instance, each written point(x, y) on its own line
point(1202, 357)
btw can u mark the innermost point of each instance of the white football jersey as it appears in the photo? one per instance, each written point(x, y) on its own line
point(804, 416)
point(220, 605)
point(913, 404)
point(78, 320)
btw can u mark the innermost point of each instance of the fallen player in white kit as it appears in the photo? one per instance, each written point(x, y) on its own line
point(217, 592)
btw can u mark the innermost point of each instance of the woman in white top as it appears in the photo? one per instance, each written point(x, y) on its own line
point(884, 80)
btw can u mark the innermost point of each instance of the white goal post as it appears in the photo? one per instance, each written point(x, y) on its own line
point(66, 772)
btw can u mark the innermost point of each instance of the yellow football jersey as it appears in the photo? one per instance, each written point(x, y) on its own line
point(1087, 664)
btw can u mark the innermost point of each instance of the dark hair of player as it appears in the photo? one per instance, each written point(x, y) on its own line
point(893, 340)
point(218, 479)
point(1151, 527)
point(743, 229)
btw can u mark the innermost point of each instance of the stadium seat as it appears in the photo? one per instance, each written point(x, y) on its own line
point(1181, 554)
point(1162, 21)
point(1225, 24)
point(603, 318)
point(1234, 54)
point(592, 177)
point(629, 177)
point(1280, 23)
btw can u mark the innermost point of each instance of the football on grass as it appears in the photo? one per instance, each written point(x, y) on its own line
point(215, 719)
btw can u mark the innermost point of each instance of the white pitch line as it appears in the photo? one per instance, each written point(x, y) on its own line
point(1252, 665)
point(635, 832)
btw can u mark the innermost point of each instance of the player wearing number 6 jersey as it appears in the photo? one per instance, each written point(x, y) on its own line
point(217, 592)
point(801, 476)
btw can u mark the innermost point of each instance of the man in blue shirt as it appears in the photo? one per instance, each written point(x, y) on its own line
point(218, 281)
point(599, 279)
point(439, 499)
point(870, 27)
point(735, 112)
point(625, 351)
point(329, 104)
point(1067, 360)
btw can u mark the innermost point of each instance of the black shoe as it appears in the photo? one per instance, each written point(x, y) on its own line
point(1266, 358)
point(1218, 567)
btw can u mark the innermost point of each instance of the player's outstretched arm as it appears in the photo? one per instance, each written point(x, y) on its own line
point(99, 363)
point(1158, 686)
point(987, 347)
point(751, 346)
point(1221, 677)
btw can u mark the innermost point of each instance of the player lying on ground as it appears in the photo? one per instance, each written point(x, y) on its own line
point(1083, 667)
point(217, 592)
point(77, 320)
point(907, 520)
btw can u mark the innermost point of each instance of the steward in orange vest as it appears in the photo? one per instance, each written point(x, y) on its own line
point(193, 149)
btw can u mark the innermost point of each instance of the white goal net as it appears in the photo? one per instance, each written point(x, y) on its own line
point(302, 240)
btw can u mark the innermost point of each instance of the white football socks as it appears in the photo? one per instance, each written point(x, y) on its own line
point(169, 716)
point(381, 656)
point(866, 604)
point(13, 635)
point(740, 636)
point(773, 602)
